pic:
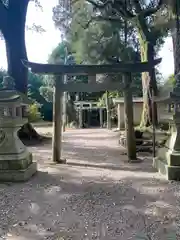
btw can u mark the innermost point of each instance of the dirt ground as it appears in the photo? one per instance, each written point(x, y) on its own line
point(97, 195)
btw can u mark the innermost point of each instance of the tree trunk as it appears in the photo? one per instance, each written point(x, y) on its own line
point(153, 90)
point(176, 36)
point(14, 34)
point(176, 50)
point(173, 34)
point(13, 28)
point(148, 84)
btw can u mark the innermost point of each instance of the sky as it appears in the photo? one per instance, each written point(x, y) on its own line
point(39, 46)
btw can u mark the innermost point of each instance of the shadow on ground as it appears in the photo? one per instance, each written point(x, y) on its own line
point(80, 203)
point(95, 202)
point(109, 157)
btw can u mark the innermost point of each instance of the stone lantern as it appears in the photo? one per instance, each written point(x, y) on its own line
point(168, 160)
point(15, 159)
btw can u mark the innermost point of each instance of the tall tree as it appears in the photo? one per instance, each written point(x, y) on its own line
point(98, 41)
point(12, 25)
point(174, 18)
point(141, 16)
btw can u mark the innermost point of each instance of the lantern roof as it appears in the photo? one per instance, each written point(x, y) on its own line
point(13, 96)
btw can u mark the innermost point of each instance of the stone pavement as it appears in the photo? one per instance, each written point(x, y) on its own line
point(97, 195)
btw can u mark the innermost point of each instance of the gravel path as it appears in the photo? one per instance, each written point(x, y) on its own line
point(97, 195)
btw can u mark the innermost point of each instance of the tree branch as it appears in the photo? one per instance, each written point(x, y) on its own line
point(99, 18)
point(137, 6)
point(141, 19)
point(117, 6)
point(150, 11)
point(144, 30)
point(110, 18)
point(99, 6)
point(120, 7)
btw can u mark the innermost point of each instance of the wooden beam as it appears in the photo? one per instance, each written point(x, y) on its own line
point(90, 87)
point(54, 69)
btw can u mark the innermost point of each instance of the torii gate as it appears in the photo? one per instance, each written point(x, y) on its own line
point(91, 70)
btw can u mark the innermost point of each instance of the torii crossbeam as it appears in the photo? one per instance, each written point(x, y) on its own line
point(122, 67)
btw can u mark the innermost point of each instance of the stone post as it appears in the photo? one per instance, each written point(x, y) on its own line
point(89, 117)
point(80, 118)
point(101, 117)
point(119, 116)
point(108, 111)
point(64, 115)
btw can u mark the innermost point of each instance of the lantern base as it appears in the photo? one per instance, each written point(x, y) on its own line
point(18, 175)
point(170, 172)
point(17, 167)
point(167, 161)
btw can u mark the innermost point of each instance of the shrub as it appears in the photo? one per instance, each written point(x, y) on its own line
point(34, 114)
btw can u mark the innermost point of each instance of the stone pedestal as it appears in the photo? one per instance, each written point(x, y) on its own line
point(15, 160)
point(167, 161)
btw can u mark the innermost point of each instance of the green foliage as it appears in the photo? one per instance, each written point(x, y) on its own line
point(34, 114)
point(111, 31)
point(111, 95)
point(98, 41)
point(35, 93)
point(8, 82)
point(47, 93)
point(167, 86)
point(3, 73)
point(35, 80)
point(171, 80)
point(40, 92)
point(59, 53)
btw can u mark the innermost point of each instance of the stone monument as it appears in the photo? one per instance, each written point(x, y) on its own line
point(15, 159)
point(168, 160)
